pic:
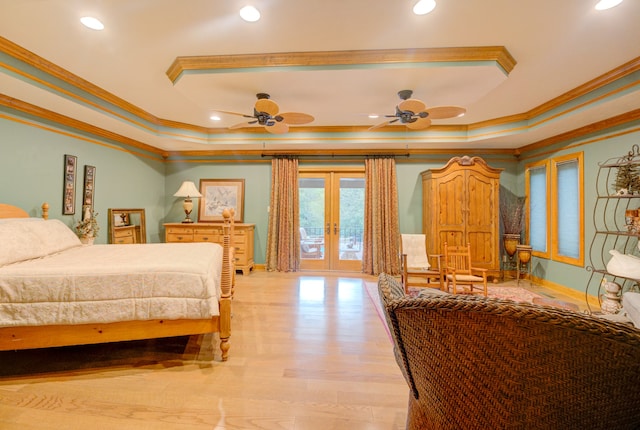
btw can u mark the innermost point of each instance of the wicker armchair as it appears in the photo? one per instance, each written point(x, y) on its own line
point(482, 363)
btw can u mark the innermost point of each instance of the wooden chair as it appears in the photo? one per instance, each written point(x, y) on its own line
point(415, 263)
point(458, 269)
point(309, 247)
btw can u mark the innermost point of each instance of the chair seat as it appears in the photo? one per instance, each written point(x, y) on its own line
point(465, 278)
point(423, 270)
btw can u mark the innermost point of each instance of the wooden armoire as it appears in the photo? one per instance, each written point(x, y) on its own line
point(460, 205)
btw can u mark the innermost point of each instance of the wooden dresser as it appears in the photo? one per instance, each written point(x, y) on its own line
point(460, 205)
point(212, 232)
point(124, 234)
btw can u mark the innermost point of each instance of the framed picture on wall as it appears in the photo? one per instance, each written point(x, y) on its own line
point(69, 185)
point(89, 187)
point(218, 195)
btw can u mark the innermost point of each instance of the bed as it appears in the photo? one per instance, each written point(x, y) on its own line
point(54, 291)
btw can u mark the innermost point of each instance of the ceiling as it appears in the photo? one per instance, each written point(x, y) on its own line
point(161, 68)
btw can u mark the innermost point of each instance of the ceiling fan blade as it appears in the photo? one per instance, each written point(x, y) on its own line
point(267, 106)
point(419, 124)
point(382, 124)
point(278, 128)
point(442, 112)
point(413, 105)
point(296, 118)
point(242, 124)
point(235, 113)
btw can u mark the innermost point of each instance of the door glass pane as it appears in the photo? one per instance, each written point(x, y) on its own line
point(312, 221)
point(351, 218)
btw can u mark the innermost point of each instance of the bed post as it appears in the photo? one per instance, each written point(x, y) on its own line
point(232, 248)
point(45, 210)
point(225, 281)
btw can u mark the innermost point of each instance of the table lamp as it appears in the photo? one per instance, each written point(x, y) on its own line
point(187, 190)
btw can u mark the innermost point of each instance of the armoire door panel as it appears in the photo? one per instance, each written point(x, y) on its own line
point(451, 237)
point(482, 248)
point(451, 191)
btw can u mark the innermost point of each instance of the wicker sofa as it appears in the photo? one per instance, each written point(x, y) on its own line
point(482, 363)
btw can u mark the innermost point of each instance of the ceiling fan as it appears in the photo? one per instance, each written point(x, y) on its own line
point(415, 115)
point(265, 113)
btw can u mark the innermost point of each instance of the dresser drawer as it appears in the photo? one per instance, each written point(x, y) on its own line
point(240, 259)
point(123, 233)
point(124, 240)
point(181, 230)
point(179, 237)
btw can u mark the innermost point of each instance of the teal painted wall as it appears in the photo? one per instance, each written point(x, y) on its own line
point(596, 149)
point(31, 172)
point(31, 166)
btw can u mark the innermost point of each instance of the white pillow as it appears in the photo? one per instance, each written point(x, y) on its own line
point(625, 265)
point(631, 305)
point(25, 240)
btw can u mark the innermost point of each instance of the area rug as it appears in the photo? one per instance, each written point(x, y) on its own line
point(517, 294)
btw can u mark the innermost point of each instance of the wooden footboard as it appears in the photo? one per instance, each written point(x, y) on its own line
point(16, 338)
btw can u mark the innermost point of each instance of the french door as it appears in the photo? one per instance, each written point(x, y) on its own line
point(331, 218)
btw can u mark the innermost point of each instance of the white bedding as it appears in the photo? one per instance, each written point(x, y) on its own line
point(110, 283)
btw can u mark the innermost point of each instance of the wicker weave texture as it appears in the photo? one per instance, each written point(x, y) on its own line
point(477, 363)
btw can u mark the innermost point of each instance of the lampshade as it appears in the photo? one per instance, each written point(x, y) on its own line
point(187, 189)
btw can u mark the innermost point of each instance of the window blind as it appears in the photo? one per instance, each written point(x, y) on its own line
point(538, 208)
point(568, 209)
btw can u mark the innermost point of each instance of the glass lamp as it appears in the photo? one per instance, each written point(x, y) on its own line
point(189, 191)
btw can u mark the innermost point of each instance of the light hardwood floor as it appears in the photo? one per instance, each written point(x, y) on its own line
point(307, 352)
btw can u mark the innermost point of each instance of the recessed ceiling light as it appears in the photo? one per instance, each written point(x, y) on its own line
point(92, 23)
point(250, 14)
point(607, 4)
point(215, 117)
point(374, 116)
point(423, 7)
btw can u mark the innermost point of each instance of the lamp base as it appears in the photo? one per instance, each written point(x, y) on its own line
point(188, 207)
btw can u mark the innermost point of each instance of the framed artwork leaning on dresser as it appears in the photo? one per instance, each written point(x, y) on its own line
point(218, 195)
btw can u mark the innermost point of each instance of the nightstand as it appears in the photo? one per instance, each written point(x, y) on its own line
point(125, 234)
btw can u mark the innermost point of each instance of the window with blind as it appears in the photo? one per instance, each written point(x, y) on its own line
point(538, 211)
point(555, 214)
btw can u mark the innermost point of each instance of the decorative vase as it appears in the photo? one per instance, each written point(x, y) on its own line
point(524, 253)
point(610, 301)
point(511, 241)
point(87, 240)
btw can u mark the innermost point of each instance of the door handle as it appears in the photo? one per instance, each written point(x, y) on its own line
point(328, 228)
point(335, 228)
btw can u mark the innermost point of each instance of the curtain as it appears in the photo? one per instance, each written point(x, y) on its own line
point(283, 237)
point(381, 227)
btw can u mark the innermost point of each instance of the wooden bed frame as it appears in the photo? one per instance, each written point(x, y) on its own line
point(30, 337)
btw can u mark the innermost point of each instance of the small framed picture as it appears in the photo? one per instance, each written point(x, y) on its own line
point(120, 219)
point(69, 187)
point(89, 186)
point(218, 195)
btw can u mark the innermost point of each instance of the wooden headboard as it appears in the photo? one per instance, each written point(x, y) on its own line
point(10, 211)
